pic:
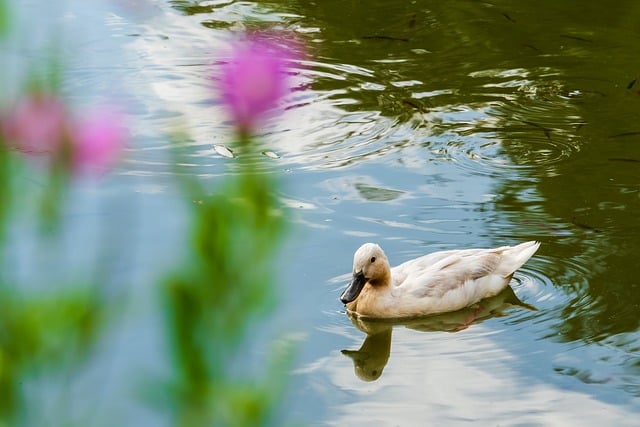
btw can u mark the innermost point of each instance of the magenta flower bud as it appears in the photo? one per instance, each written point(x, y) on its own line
point(254, 79)
point(36, 124)
point(98, 140)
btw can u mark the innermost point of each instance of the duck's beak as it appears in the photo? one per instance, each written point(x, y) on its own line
point(353, 289)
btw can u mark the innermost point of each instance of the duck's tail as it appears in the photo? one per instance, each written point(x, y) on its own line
point(515, 256)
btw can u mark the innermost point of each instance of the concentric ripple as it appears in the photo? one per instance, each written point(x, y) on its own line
point(519, 124)
point(551, 286)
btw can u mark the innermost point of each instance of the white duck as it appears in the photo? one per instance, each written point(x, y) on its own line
point(436, 283)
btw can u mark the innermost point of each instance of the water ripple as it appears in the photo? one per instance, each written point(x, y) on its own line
point(513, 121)
point(518, 122)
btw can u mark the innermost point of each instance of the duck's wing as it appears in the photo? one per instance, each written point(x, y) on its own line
point(452, 272)
point(436, 274)
point(402, 271)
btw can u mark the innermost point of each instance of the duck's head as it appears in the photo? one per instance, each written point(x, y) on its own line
point(370, 264)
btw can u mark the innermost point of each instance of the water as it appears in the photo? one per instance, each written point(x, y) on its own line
point(421, 126)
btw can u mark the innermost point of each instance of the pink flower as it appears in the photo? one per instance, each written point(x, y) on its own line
point(254, 79)
point(39, 124)
point(98, 140)
point(36, 124)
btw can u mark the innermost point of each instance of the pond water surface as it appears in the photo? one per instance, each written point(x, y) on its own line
point(419, 125)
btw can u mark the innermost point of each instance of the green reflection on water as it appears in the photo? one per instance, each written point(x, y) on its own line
point(560, 98)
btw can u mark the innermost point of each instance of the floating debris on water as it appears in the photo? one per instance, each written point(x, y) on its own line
point(223, 151)
point(271, 154)
point(385, 37)
point(584, 226)
point(630, 85)
point(506, 15)
point(625, 134)
point(623, 159)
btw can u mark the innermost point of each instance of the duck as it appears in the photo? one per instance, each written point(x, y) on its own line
point(440, 282)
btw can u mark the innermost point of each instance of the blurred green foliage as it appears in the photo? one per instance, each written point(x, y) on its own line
point(4, 18)
point(40, 330)
point(225, 285)
point(41, 333)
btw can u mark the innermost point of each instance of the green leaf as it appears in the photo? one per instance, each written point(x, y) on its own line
point(4, 18)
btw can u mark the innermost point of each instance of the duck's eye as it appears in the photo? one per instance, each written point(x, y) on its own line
point(373, 259)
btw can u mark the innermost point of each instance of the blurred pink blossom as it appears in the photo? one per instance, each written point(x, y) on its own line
point(39, 124)
point(36, 124)
point(254, 79)
point(98, 140)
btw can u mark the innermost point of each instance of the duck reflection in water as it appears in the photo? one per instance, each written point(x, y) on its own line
point(371, 358)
